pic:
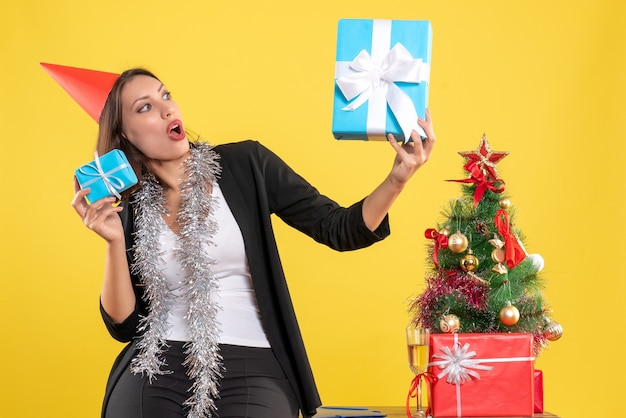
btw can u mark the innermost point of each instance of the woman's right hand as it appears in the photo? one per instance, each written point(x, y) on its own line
point(101, 216)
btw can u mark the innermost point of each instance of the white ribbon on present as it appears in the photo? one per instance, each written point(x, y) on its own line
point(112, 183)
point(460, 366)
point(372, 78)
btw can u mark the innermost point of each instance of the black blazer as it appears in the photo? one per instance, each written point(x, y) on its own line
point(256, 183)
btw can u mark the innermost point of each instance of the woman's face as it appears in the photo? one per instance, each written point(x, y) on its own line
point(151, 120)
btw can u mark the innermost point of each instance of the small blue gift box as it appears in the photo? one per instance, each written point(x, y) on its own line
point(381, 78)
point(107, 175)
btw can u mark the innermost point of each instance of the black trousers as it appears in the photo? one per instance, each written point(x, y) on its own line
point(253, 386)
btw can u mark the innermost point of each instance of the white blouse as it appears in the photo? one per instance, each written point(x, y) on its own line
point(238, 317)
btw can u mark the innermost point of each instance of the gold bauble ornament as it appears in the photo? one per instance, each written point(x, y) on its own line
point(450, 324)
point(469, 262)
point(445, 231)
point(457, 242)
point(553, 331)
point(509, 315)
point(505, 203)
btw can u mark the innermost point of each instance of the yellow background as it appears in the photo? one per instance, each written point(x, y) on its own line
point(543, 79)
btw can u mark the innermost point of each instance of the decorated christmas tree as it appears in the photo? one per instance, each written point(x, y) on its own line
point(480, 277)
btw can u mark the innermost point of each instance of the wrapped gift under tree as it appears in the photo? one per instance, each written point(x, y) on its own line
point(482, 375)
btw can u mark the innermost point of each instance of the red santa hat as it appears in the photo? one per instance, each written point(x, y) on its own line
point(89, 88)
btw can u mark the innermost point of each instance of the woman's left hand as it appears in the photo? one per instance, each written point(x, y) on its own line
point(412, 155)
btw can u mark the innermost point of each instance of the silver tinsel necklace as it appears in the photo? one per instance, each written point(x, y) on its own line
point(197, 226)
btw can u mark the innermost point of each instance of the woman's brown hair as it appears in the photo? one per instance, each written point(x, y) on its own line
point(110, 132)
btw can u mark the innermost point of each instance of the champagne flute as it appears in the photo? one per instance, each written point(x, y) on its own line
point(418, 340)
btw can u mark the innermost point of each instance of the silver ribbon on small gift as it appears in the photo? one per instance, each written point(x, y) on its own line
point(112, 183)
point(372, 78)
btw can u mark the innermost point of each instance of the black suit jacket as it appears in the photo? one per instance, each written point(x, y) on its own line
point(256, 184)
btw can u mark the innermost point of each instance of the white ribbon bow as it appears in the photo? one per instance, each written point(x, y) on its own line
point(457, 364)
point(112, 183)
point(367, 80)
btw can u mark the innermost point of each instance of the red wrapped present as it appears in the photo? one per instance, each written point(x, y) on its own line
point(482, 375)
point(538, 391)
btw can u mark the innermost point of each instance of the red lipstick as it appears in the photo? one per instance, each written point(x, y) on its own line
point(175, 130)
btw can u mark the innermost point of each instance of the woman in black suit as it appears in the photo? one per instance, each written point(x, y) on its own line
point(192, 278)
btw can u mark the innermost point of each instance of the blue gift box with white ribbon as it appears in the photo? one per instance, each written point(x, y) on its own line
point(382, 73)
point(107, 175)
